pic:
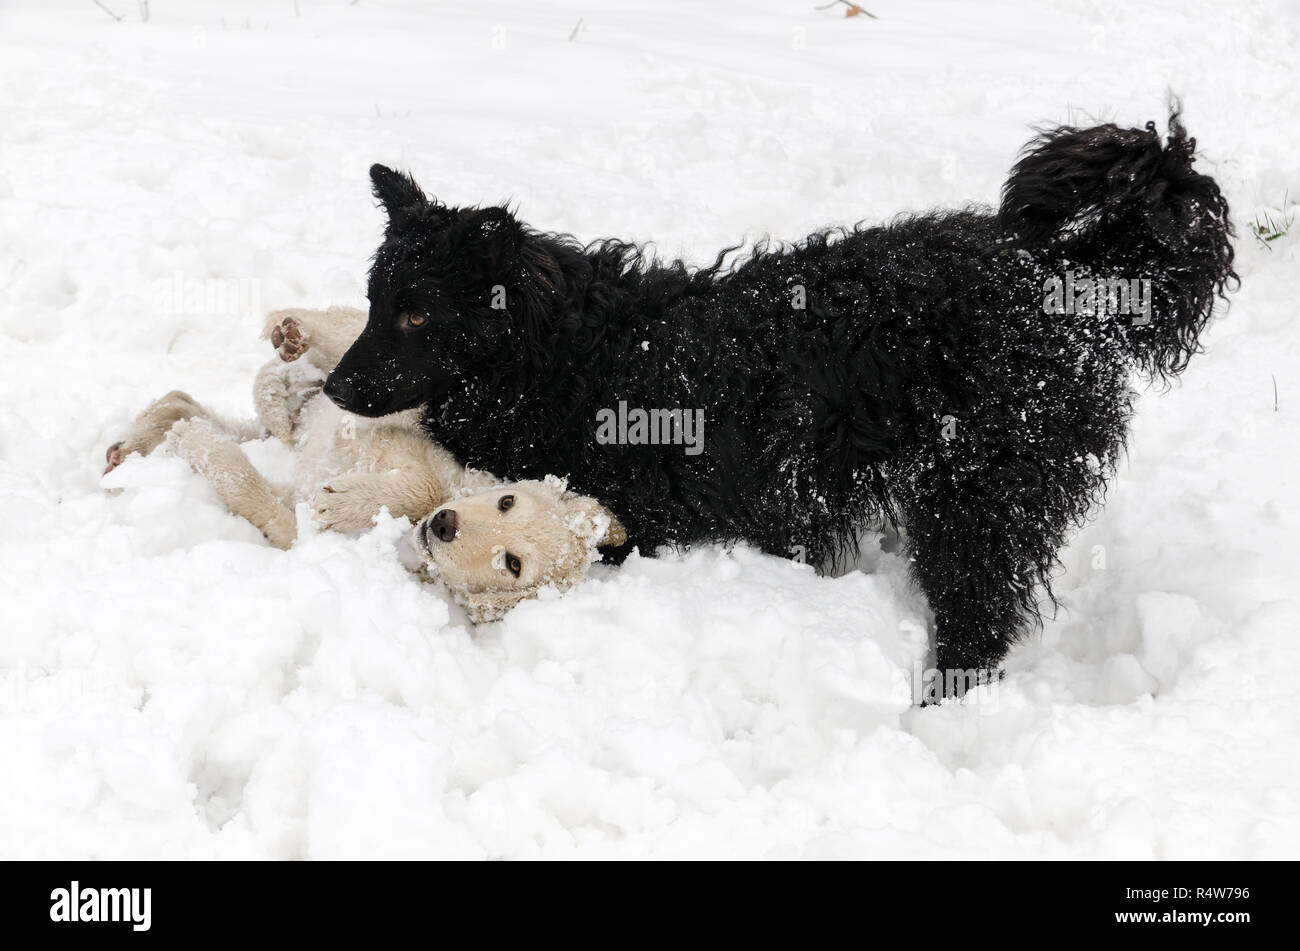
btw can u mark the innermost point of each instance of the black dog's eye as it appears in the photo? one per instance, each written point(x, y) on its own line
point(506, 503)
point(413, 320)
point(514, 564)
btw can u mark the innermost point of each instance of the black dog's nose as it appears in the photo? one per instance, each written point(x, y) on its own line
point(443, 524)
point(340, 391)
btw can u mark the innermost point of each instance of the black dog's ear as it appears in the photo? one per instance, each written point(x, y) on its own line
point(490, 241)
point(397, 192)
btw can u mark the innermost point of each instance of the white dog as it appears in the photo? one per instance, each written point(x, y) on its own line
point(492, 543)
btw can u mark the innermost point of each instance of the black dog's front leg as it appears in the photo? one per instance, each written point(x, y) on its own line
point(976, 553)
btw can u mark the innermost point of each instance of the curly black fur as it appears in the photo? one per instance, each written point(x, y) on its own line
point(922, 380)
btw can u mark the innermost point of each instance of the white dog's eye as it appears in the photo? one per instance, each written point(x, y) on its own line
point(506, 503)
point(514, 564)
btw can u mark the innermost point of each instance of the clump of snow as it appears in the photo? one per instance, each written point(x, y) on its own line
point(171, 686)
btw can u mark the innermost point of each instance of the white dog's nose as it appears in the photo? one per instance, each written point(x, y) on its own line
point(443, 524)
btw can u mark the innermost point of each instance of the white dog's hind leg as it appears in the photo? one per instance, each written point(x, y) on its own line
point(245, 491)
point(151, 426)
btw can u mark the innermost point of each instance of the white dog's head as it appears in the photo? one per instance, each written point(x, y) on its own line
point(495, 547)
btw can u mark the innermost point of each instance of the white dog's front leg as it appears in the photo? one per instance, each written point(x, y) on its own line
point(350, 502)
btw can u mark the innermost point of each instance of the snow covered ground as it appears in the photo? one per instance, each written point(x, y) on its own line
point(170, 686)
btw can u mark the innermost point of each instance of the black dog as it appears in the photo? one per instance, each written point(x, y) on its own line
point(942, 370)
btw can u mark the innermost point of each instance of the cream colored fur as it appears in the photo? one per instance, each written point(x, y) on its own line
point(550, 534)
point(350, 468)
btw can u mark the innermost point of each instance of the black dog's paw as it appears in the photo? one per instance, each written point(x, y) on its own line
point(287, 338)
point(953, 683)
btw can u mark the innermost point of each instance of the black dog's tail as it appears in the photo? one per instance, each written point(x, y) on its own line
point(1125, 205)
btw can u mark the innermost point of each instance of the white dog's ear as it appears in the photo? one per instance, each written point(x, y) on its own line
point(596, 523)
point(484, 607)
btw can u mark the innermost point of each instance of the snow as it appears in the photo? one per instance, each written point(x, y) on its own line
point(170, 686)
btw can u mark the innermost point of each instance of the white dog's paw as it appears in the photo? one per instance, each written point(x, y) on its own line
point(288, 339)
point(113, 456)
point(350, 502)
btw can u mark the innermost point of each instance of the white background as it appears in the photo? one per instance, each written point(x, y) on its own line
point(171, 686)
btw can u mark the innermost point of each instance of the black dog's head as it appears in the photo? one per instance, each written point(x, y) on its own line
point(448, 288)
